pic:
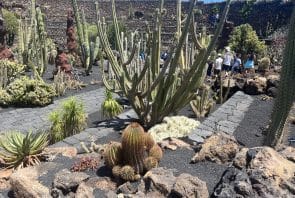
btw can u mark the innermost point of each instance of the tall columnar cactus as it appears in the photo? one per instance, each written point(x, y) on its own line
point(89, 49)
point(286, 95)
point(32, 41)
point(137, 153)
point(152, 94)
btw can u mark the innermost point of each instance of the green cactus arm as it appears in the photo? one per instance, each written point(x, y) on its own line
point(117, 33)
point(131, 57)
point(286, 95)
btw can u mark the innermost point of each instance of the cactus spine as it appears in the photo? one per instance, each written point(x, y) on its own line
point(286, 95)
point(152, 94)
point(89, 49)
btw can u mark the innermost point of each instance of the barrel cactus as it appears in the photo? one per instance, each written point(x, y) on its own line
point(137, 153)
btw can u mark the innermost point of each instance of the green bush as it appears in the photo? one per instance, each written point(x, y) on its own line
point(264, 64)
point(67, 121)
point(244, 40)
point(19, 150)
point(30, 92)
point(11, 24)
point(9, 71)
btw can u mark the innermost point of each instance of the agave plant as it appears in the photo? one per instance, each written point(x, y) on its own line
point(110, 107)
point(20, 150)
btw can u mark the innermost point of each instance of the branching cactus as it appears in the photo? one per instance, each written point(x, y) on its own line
point(156, 92)
point(32, 43)
point(137, 153)
point(89, 49)
point(286, 94)
point(202, 104)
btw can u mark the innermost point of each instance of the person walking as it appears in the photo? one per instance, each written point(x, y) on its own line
point(237, 63)
point(249, 65)
point(227, 59)
point(218, 65)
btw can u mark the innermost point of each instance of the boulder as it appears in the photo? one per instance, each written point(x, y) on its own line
point(272, 81)
point(84, 191)
point(266, 173)
point(219, 148)
point(240, 160)
point(255, 86)
point(272, 92)
point(127, 188)
point(174, 143)
point(160, 182)
point(66, 181)
point(24, 183)
point(189, 187)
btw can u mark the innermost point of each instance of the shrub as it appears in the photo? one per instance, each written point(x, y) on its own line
point(110, 107)
point(68, 121)
point(264, 64)
point(9, 71)
point(244, 40)
point(20, 150)
point(26, 92)
point(5, 98)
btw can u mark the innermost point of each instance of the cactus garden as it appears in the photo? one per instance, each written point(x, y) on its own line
point(149, 98)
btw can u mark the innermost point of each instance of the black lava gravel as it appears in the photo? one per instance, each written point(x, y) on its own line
point(250, 131)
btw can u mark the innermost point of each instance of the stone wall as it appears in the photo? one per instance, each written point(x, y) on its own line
point(263, 16)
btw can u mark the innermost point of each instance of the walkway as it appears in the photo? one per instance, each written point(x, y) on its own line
point(24, 119)
point(225, 119)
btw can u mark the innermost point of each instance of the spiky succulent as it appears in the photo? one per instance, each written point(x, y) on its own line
point(137, 153)
point(127, 173)
point(133, 146)
point(150, 162)
point(19, 150)
point(110, 107)
point(113, 154)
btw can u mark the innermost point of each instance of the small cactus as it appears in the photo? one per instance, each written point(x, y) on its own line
point(113, 155)
point(150, 162)
point(116, 171)
point(133, 145)
point(156, 152)
point(128, 174)
point(149, 141)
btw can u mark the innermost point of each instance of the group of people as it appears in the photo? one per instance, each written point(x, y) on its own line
point(230, 63)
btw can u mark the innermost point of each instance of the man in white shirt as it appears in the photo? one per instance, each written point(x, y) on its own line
point(228, 57)
point(218, 65)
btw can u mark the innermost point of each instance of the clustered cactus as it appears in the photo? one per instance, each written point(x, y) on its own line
point(137, 153)
point(153, 94)
point(29, 92)
point(9, 71)
point(89, 49)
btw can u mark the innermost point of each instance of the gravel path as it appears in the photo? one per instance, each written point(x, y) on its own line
point(250, 129)
point(24, 119)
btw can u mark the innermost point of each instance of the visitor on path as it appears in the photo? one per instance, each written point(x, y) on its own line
point(237, 63)
point(249, 65)
point(227, 59)
point(218, 65)
point(210, 67)
point(164, 56)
